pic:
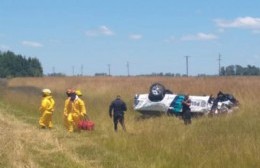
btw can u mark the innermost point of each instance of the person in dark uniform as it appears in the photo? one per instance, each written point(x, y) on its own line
point(117, 109)
point(186, 103)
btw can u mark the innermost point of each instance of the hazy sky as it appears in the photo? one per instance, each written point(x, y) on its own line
point(74, 36)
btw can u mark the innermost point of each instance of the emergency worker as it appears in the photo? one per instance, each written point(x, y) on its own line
point(46, 109)
point(78, 93)
point(65, 113)
point(75, 110)
point(186, 103)
point(117, 109)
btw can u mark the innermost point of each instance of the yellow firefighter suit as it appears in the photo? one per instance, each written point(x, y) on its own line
point(46, 109)
point(65, 113)
point(74, 111)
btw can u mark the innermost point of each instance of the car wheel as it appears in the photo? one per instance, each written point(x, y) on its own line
point(157, 92)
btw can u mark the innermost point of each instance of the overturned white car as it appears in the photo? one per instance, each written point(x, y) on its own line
point(160, 100)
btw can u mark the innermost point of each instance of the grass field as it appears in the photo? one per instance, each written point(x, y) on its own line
point(159, 142)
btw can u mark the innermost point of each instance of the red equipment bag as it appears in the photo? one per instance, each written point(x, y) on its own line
point(86, 125)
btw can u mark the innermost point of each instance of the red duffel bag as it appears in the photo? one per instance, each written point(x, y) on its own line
point(85, 124)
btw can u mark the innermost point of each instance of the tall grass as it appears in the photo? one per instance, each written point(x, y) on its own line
point(224, 141)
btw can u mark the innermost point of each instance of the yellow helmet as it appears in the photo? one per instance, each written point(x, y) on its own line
point(46, 92)
point(78, 92)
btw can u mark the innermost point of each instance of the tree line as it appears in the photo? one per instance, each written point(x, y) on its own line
point(12, 65)
point(238, 70)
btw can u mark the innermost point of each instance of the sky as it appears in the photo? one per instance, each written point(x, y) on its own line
point(132, 36)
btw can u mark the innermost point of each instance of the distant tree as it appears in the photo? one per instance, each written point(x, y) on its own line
point(12, 65)
point(202, 75)
point(239, 70)
point(35, 67)
point(252, 70)
point(230, 70)
point(169, 74)
point(56, 75)
point(101, 74)
point(222, 71)
point(178, 75)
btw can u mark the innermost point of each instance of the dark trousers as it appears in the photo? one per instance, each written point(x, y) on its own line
point(121, 120)
point(187, 117)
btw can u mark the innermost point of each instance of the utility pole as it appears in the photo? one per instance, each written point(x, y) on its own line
point(53, 70)
point(108, 69)
point(187, 65)
point(81, 70)
point(219, 65)
point(73, 70)
point(127, 66)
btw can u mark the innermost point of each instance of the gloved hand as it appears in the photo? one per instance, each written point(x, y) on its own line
point(83, 115)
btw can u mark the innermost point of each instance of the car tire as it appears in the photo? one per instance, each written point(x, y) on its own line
point(156, 92)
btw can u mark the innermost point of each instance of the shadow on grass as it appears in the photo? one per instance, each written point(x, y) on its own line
point(25, 89)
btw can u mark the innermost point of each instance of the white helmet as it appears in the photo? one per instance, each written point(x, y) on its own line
point(46, 91)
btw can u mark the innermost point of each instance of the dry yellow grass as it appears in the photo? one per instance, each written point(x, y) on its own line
point(225, 141)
